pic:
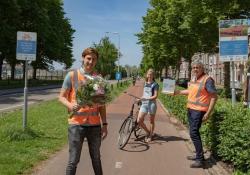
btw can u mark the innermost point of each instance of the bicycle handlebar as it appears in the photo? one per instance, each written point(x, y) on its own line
point(131, 95)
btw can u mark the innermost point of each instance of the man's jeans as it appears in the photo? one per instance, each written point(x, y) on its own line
point(76, 135)
point(195, 120)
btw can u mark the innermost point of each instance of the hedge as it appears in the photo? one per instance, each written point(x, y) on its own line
point(226, 134)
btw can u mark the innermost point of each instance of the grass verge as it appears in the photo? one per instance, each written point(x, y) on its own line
point(46, 133)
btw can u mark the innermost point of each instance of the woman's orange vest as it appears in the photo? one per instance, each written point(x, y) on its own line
point(87, 115)
point(198, 97)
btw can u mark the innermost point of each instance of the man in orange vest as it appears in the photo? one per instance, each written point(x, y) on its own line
point(86, 121)
point(201, 99)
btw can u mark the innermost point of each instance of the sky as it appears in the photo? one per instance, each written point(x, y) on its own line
point(93, 18)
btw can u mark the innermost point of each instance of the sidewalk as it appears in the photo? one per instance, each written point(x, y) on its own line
point(30, 89)
point(166, 154)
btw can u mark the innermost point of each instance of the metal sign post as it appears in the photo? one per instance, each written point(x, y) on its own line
point(25, 101)
point(233, 85)
point(26, 50)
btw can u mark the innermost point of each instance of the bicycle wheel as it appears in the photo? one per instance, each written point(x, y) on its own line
point(125, 132)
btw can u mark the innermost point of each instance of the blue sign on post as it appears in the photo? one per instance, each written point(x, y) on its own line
point(233, 40)
point(26, 46)
point(26, 50)
point(118, 76)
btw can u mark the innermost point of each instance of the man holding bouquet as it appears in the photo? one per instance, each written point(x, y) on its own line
point(86, 120)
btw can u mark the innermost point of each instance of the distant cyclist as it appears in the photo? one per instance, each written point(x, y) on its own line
point(150, 93)
point(134, 80)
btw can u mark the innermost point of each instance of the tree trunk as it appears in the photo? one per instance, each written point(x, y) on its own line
point(1, 66)
point(177, 71)
point(34, 73)
point(189, 68)
point(13, 71)
point(227, 79)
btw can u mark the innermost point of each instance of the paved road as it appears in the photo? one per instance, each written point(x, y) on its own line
point(13, 101)
point(163, 156)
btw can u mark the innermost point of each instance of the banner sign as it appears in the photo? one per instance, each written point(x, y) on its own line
point(233, 40)
point(26, 46)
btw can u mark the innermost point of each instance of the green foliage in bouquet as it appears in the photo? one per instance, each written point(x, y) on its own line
point(94, 90)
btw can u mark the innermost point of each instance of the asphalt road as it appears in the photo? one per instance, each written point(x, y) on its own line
point(13, 101)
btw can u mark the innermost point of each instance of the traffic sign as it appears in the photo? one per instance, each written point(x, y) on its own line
point(233, 40)
point(26, 46)
point(118, 75)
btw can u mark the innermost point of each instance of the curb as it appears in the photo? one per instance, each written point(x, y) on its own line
point(212, 166)
point(30, 89)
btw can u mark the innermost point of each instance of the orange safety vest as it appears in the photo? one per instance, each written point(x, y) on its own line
point(87, 115)
point(198, 97)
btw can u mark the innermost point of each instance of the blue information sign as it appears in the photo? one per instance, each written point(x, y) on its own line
point(118, 76)
point(238, 47)
point(26, 46)
point(233, 40)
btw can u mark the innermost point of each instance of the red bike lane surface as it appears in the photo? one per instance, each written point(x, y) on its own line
point(165, 155)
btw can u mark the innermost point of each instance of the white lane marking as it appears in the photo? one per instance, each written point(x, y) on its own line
point(3, 109)
point(118, 164)
point(14, 107)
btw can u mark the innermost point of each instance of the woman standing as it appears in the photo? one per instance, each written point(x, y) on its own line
point(150, 93)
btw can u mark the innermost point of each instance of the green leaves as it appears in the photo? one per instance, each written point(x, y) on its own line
point(226, 133)
point(234, 137)
point(185, 26)
point(46, 17)
point(108, 55)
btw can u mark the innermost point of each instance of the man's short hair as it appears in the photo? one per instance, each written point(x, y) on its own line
point(89, 51)
point(197, 62)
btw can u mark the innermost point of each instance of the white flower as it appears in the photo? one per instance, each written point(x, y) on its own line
point(96, 87)
point(89, 77)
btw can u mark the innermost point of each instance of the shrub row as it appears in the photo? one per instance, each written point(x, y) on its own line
point(226, 134)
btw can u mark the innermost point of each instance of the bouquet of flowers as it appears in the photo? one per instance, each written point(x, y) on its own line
point(93, 90)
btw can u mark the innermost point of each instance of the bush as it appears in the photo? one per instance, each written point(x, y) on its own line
point(226, 133)
point(234, 137)
point(176, 105)
point(210, 131)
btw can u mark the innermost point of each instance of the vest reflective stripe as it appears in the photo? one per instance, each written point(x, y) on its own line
point(198, 103)
point(200, 88)
point(198, 98)
point(86, 115)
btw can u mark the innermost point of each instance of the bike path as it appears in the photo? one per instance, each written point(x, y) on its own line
point(166, 154)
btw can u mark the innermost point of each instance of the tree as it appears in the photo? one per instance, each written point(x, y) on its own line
point(178, 29)
point(46, 17)
point(9, 17)
point(108, 55)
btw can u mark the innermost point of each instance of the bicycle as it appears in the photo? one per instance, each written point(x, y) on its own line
point(130, 124)
point(134, 82)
